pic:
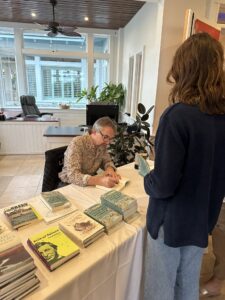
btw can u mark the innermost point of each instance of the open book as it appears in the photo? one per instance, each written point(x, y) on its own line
point(118, 187)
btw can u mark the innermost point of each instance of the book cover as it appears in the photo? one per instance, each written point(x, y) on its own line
point(104, 215)
point(54, 200)
point(8, 239)
point(21, 214)
point(81, 228)
point(53, 247)
point(118, 201)
point(118, 187)
point(52, 216)
point(15, 261)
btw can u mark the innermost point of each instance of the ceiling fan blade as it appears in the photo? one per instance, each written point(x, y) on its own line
point(69, 33)
point(52, 34)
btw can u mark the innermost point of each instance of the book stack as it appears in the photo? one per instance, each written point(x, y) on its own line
point(104, 215)
point(81, 228)
point(123, 204)
point(21, 215)
point(55, 201)
point(50, 216)
point(17, 269)
point(53, 247)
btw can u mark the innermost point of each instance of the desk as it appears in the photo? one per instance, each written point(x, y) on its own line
point(61, 136)
point(24, 136)
point(110, 268)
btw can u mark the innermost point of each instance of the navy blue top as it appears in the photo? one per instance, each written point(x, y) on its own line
point(187, 184)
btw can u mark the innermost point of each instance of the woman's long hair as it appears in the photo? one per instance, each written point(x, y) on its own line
point(197, 74)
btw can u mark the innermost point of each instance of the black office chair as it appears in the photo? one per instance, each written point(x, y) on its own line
point(54, 159)
point(30, 108)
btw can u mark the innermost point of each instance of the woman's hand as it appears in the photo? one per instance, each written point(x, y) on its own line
point(110, 172)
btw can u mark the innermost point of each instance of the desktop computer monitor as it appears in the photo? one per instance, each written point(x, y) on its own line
point(96, 111)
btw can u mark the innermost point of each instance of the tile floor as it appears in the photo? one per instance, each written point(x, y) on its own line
point(21, 178)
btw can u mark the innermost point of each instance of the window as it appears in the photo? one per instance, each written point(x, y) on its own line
point(59, 80)
point(101, 73)
point(8, 74)
point(54, 70)
point(8, 80)
point(59, 43)
point(101, 44)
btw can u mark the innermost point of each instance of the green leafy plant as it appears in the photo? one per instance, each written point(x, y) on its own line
point(111, 93)
point(131, 139)
point(91, 95)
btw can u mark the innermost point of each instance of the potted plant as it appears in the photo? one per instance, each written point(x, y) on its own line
point(110, 94)
point(131, 139)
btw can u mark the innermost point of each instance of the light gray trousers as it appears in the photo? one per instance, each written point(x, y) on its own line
point(171, 273)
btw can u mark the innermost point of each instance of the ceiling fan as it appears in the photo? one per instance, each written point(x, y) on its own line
point(54, 27)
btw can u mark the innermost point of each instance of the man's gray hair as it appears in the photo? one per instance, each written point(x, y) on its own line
point(104, 122)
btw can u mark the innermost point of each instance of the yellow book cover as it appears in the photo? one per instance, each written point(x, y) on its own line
point(53, 247)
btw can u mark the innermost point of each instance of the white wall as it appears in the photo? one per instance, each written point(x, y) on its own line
point(159, 27)
point(172, 33)
point(144, 31)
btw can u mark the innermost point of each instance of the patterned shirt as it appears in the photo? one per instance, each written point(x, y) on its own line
point(82, 159)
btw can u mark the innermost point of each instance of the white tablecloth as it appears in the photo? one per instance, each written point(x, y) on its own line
point(111, 267)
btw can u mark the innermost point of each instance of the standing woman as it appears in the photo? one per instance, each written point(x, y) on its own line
point(187, 185)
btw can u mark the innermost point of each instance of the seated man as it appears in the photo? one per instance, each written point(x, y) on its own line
point(86, 154)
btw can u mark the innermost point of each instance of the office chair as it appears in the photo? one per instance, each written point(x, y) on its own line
point(30, 108)
point(54, 159)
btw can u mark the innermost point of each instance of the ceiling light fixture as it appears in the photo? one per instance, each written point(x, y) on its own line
point(33, 14)
point(86, 19)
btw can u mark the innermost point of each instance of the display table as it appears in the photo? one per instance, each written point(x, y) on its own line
point(111, 267)
point(56, 136)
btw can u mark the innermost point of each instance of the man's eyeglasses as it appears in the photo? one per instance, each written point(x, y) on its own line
point(105, 137)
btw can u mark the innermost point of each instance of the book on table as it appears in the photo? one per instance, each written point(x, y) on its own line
point(81, 228)
point(53, 247)
point(52, 216)
point(118, 187)
point(8, 238)
point(55, 200)
point(120, 202)
point(104, 215)
point(14, 262)
point(21, 215)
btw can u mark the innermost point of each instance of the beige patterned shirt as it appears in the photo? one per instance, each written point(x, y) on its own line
point(82, 159)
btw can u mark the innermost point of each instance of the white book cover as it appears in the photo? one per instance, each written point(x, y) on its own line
point(8, 238)
point(118, 187)
point(81, 228)
point(50, 216)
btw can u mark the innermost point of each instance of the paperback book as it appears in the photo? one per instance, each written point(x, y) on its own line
point(8, 238)
point(118, 187)
point(55, 200)
point(104, 215)
point(81, 228)
point(21, 214)
point(51, 216)
point(14, 262)
point(53, 247)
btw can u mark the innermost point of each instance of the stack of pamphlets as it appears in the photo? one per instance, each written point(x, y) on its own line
point(104, 215)
point(17, 269)
point(81, 228)
point(21, 215)
point(123, 204)
point(55, 200)
point(50, 216)
point(53, 247)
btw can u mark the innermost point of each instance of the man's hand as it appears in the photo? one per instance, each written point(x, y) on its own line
point(111, 173)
